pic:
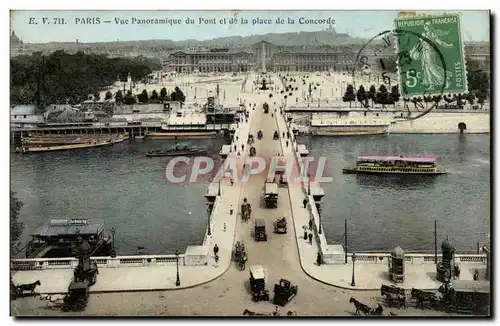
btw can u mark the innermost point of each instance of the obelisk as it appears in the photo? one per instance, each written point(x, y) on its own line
point(263, 57)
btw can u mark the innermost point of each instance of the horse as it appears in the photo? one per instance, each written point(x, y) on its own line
point(423, 296)
point(360, 307)
point(378, 311)
point(29, 287)
point(252, 313)
point(242, 261)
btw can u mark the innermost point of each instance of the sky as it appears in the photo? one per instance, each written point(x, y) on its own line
point(90, 26)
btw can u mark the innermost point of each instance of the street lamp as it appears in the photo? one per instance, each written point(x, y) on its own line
point(178, 281)
point(320, 229)
point(309, 183)
point(353, 283)
point(209, 228)
point(113, 251)
point(218, 193)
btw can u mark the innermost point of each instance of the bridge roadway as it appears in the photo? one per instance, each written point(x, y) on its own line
point(230, 294)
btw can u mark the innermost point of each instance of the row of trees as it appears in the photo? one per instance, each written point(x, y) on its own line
point(382, 96)
point(16, 226)
point(68, 78)
point(129, 98)
point(385, 97)
point(478, 75)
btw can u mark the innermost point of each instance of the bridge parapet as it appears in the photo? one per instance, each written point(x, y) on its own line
point(415, 258)
point(102, 262)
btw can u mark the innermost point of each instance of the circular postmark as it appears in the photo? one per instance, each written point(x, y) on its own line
point(375, 68)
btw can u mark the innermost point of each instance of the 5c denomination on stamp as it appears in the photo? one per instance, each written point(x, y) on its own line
point(430, 55)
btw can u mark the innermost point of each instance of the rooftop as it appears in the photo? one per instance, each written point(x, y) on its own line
point(408, 159)
point(55, 228)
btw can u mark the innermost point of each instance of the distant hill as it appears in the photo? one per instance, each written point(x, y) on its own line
point(280, 39)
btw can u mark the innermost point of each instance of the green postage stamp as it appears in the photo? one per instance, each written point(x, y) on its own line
point(431, 57)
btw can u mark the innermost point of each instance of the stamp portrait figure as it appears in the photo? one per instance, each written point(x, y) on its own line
point(433, 75)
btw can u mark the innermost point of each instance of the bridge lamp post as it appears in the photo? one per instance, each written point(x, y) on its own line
point(209, 228)
point(178, 280)
point(113, 251)
point(309, 183)
point(353, 282)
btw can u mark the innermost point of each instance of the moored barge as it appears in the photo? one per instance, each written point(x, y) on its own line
point(57, 238)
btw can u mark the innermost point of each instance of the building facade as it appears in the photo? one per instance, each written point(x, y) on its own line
point(261, 56)
point(222, 60)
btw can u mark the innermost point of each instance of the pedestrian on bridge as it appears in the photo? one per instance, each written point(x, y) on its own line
point(310, 238)
point(216, 255)
point(287, 143)
point(231, 209)
point(310, 224)
point(304, 202)
point(242, 147)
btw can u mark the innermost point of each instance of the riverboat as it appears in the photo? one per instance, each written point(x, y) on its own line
point(179, 149)
point(395, 165)
point(57, 238)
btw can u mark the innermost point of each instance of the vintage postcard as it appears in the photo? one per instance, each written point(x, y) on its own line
point(250, 163)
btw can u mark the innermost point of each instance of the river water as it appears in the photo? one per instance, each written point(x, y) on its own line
point(129, 191)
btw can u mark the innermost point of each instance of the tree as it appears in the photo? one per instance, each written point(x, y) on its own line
point(177, 95)
point(129, 98)
point(154, 96)
point(436, 99)
point(372, 93)
point(395, 95)
point(61, 77)
point(481, 98)
point(362, 96)
point(119, 97)
point(163, 94)
point(143, 97)
point(382, 96)
point(478, 77)
point(427, 99)
point(108, 96)
point(16, 226)
point(349, 95)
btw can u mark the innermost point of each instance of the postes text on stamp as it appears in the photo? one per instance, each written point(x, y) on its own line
point(430, 55)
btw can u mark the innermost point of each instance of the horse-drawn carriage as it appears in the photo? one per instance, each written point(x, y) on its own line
point(276, 135)
point(466, 296)
point(284, 292)
point(260, 135)
point(259, 232)
point(246, 210)
point(258, 283)
point(240, 255)
point(77, 297)
point(280, 225)
point(271, 194)
point(425, 297)
point(265, 106)
point(253, 152)
point(394, 296)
